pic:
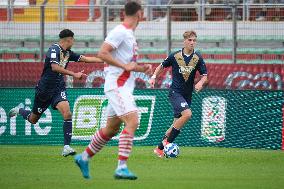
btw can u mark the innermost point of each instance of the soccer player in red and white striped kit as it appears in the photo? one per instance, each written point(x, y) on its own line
point(119, 52)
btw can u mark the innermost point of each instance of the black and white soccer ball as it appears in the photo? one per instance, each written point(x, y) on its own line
point(171, 150)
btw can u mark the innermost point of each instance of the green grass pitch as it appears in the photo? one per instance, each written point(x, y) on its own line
point(42, 167)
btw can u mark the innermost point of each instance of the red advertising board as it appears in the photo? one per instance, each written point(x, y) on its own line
point(221, 76)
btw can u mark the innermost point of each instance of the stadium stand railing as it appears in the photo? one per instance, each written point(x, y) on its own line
point(259, 32)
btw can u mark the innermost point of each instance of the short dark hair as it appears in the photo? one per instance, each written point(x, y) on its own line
point(66, 33)
point(131, 8)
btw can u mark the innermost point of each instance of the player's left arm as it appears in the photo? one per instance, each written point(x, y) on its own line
point(201, 83)
point(81, 58)
point(145, 68)
point(88, 59)
point(201, 67)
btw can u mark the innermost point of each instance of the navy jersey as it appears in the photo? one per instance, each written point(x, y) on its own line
point(51, 81)
point(184, 68)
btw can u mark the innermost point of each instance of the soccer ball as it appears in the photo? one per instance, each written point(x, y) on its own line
point(171, 150)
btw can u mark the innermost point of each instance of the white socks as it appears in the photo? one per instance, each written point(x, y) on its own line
point(121, 164)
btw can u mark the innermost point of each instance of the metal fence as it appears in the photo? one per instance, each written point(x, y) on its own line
point(227, 33)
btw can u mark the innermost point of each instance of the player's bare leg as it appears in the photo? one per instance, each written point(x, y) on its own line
point(64, 108)
point(159, 152)
point(173, 131)
point(112, 126)
point(102, 136)
point(26, 114)
point(125, 145)
point(98, 141)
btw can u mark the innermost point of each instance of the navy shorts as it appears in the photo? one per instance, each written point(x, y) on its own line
point(179, 103)
point(43, 100)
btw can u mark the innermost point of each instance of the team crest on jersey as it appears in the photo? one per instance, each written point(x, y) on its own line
point(184, 69)
point(64, 58)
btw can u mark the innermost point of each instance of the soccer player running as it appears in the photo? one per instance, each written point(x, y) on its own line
point(119, 51)
point(51, 90)
point(184, 63)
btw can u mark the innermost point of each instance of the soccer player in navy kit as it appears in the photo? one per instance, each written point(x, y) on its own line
point(51, 90)
point(184, 65)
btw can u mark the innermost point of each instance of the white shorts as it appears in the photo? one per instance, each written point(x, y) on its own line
point(120, 102)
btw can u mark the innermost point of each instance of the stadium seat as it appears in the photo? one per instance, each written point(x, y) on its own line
point(81, 14)
point(269, 56)
point(26, 56)
point(32, 14)
point(248, 56)
point(156, 56)
point(153, 55)
point(148, 39)
point(222, 56)
point(6, 56)
point(3, 14)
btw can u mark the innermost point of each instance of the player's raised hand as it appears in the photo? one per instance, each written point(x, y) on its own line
point(80, 74)
point(152, 82)
point(148, 69)
point(130, 66)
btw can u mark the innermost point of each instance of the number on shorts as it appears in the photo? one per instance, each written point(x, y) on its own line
point(63, 94)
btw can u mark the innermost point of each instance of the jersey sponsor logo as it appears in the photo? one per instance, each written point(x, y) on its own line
point(213, 119)
point(89, 115)
point(185, 69)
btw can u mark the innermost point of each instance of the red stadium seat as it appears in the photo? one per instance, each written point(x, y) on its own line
point(248, 56)
point(222, 56)
point(24, 56)
point(207, 56)
point(269, 56)
point(253, 13)
point(3, 14)
point(157, 56)
point(9, 56)
point(81, 14)
point(188, 14)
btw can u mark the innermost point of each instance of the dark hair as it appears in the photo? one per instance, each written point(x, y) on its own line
point(131, 8)
point(66, 33)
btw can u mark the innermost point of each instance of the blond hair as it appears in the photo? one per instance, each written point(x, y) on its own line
point(188, 34)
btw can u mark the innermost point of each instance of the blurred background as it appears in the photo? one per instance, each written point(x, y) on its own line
point(242, 106)
point(230, 33)
point(242, 43)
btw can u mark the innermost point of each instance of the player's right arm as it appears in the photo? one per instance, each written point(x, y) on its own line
point(56, 68)
point(112, 42)
point(167, 62)
point(105, 55)
point(157, 72)
point(53, 54)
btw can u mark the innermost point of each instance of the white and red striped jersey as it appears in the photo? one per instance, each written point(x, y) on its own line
point(122, 39)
